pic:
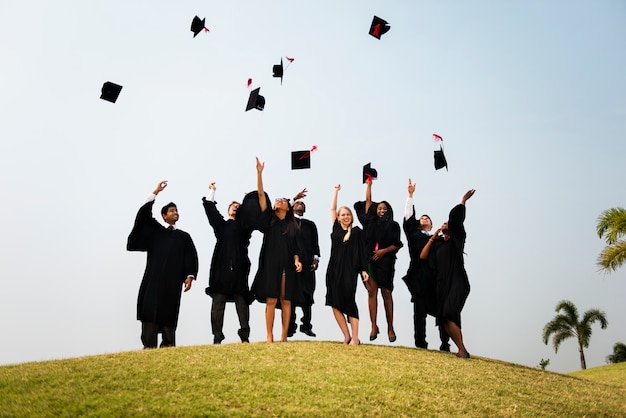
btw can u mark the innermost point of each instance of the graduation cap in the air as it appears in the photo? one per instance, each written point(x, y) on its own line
point(379, 27)
point(110, 91)
point(302, 159)
point(279, 70)
point(440, 159)
point(255, 100)
point(369, 172)
point(197, 25)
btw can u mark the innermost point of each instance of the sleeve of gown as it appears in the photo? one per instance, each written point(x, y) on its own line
point(455, 222)
point(395, 235)
point(410, 225)
point(216, 220)
point(359, 255)
point(315, 240)
point(364, 218)
point(191, 258)
point(141, 234)
point(250, 215)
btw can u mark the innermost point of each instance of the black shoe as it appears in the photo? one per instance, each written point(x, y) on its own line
point(244, 334)
point(218, 340)
point(445, 347)
point(308, 331)
point(392, 339)
point(373, 337)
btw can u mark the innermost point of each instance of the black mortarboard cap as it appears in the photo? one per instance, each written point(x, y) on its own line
point(300, 160)
point(369, 171)
point(379, 27)
point(278, 70)
point(440, 159)
point(197, 25)
point(255, 101)
point(110, 91)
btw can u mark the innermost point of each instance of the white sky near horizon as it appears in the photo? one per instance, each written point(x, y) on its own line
point(530, 98)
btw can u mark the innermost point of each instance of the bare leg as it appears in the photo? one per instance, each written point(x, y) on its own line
point(285, 306)
point(454, 331)
point(354, 323)
point(341, 321)
point(270, 307)
point(388, 302)
point(372, 303)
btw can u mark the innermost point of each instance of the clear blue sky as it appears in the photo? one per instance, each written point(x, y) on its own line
point(528, 96)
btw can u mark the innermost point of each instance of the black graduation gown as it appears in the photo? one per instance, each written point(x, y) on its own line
point(277, 251)
point(419, 278)
point(230, 265)
point(446, 257)
point(380, 233)
point(171, 257)
point(309, 246)
point(347, 260)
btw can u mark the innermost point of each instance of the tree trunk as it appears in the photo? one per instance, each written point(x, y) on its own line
point(583, 363)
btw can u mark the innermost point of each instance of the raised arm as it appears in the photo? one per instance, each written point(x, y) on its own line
point(333, 203)
point(159, 188)
point(259, 182)
point(368, 194)
point(467, 195)
point(300, 195)
point(408, 209)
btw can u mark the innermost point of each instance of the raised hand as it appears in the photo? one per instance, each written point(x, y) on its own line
point(159, 188)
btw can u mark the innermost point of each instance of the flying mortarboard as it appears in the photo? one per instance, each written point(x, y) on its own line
point(440, 159)
point(110, 91)
point(379, 27)
point(369, 172)
point(255, 100)
point(300, 160)
point(278, 70)
point(197, 25)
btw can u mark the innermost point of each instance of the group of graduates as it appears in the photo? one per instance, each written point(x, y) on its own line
point(289, 257)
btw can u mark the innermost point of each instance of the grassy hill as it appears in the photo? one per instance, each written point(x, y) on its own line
point(303, 379)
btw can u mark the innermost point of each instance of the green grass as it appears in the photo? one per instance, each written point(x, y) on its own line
point(302, 379)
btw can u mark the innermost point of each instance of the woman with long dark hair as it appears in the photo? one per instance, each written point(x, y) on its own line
point(445, 254)
point(275, 283)
point(382, 242)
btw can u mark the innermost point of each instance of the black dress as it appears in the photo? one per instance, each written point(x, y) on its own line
point(171, 257)
point(380, 232)
point(446, 257)
point(277, 251)
point(347, 260)
point(230, 265)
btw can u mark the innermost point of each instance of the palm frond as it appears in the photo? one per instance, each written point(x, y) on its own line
point(611, 224)
point(612, 257)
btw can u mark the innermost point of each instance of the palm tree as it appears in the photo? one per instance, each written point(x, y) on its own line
point(566, 325)
point(611, 225)
point(619, 353)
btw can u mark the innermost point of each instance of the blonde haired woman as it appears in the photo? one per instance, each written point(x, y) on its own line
point(347, 260)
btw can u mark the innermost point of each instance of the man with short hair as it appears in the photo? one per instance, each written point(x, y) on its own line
point(419, 278)
point(309, 256)
point(230, 267)
point(172, 263)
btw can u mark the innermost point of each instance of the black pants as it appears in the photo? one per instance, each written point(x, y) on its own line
point(306, 318)
point(419, 324)
point(217, 317)
point(150, 331)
